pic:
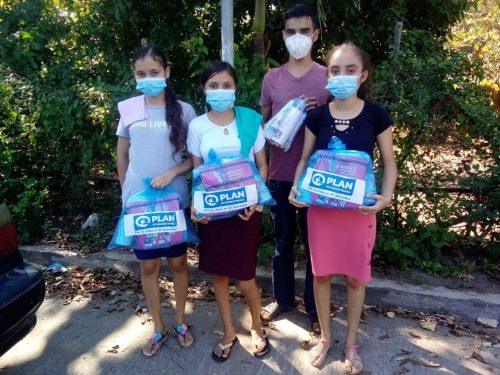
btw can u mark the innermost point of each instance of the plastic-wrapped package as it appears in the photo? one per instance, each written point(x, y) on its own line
point(282, 128)
point(223, 187)
point(152, 219)
point(338, 178)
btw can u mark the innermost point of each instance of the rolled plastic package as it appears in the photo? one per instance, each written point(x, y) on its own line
point(282, 128)
point(225, 186)
point(338, 178)
point(153, 219)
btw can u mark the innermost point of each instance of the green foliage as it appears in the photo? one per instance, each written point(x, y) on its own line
point(447, 149)
point(64, 65)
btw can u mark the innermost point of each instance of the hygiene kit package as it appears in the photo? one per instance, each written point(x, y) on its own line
point(337, 178)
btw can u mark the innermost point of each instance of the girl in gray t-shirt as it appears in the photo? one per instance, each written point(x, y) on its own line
point(151, 139)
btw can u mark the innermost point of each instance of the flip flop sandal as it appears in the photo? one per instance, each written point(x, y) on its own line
point(272, 310)
point(181, 330)
point(353, 364)
point(223, 347)
point(265, 350)
point(157, 339)
point(320, 352)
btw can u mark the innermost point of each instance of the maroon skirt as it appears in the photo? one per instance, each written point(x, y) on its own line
point(229, 246)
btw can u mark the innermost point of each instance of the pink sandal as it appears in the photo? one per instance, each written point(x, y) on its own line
point(320, 351)
point(353, 364)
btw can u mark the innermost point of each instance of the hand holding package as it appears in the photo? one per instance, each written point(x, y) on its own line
point(282, 128)
point(337, 178)
point(152, 219)
point(223, 187)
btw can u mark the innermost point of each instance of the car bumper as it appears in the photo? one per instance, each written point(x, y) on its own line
point(22, 291)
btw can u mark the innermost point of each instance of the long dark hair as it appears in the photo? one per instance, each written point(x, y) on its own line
point(218, 67)
point(365, 60)
point(173, 108)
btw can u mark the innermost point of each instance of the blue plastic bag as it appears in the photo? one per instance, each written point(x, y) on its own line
point(153, 219)
point(283, 127)
point(338, 178)
point(225, 186)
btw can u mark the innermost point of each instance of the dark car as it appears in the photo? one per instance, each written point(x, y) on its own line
point(22, 286)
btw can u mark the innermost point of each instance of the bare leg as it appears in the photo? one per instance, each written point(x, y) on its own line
point(221, 289)
point(179, 268)
point(252, 296)
point(322, 290)
point(150, 270)
point(355, 300)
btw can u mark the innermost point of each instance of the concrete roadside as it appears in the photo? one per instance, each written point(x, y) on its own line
point(383, 292)
point(93, 337)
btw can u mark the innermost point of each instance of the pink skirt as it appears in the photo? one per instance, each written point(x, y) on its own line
point(341, 242)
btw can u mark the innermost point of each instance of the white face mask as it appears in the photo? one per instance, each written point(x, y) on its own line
point(298, 45)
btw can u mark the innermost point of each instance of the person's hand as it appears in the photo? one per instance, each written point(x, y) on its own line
point(199, 220)
point(248, 212)
point(382, 202)
point(311, 102)
point(159, 182)
point(294, 193)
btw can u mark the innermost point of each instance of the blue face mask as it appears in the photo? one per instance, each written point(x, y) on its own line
point(220, 100)
point(151, 86)
point(342, 87)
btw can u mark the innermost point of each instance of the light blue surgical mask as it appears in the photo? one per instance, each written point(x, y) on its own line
point(151, 86)
point(342, 87)
point(221, 100)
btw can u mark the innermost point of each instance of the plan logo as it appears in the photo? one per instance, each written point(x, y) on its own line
point(155, 220)
point(318, 179)
point(334, 183)
point(227, 197)
point(211, 200)
point(142, 221)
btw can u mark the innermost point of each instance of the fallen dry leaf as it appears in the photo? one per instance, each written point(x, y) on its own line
point(414, 335)
point(478, 356)
point(420, 362)
point(402, 370)
point(304, 344)
point(493, 323)
point(477, 342)
point(430, 325)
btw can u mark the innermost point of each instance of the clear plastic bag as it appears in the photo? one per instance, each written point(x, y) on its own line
point(282, 128)
point(338, 178)
point(152, 219)
point(225, 186)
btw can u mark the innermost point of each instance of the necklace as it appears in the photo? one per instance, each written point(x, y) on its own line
point(341, 125)
point(226, 132)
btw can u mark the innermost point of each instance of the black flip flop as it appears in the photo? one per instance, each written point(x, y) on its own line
point(265, 350)
point(220, 359)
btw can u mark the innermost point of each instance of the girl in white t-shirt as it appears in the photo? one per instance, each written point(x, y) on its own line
point(229, 246)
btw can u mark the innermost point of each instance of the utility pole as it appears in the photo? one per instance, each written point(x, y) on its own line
point(227, 34)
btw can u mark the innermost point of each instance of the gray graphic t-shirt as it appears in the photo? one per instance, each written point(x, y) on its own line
point(151, 153)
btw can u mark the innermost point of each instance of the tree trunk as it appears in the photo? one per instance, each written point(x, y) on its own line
point(259, 26)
